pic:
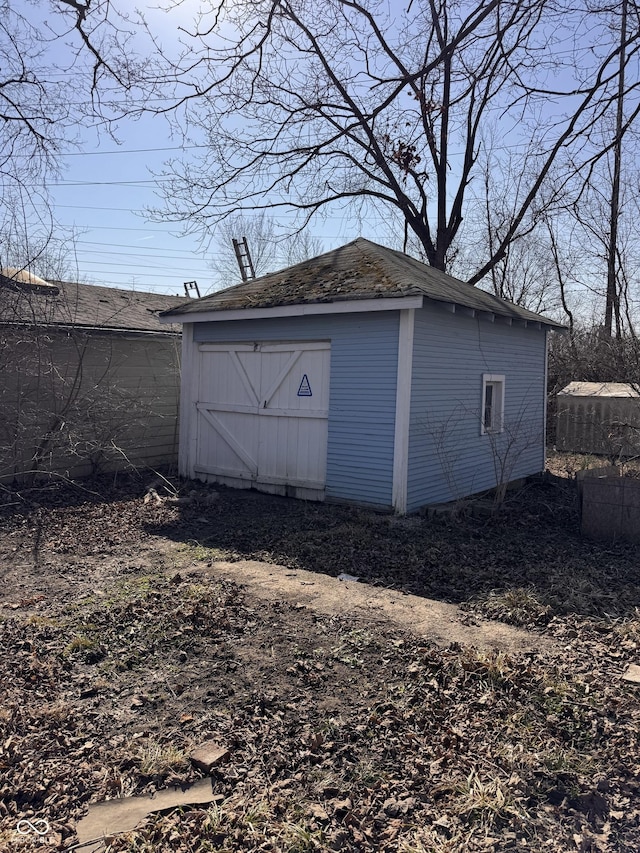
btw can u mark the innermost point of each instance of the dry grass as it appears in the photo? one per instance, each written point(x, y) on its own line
point(160, 759)
point(329, 719)
point(516, 606)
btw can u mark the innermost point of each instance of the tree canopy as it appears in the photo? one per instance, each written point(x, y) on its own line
point(64, 64)
point(305, 107)
point(479, 132)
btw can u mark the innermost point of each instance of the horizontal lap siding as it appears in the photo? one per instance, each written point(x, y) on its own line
point(142, 381)
point(125, 410)
point(448, 457)
point(362, 393)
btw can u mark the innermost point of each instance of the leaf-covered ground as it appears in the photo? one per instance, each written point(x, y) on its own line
point(119, 657)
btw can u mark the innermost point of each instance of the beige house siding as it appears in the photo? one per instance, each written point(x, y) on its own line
point(76, 402)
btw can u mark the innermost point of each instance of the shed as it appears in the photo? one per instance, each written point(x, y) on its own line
point(599, 417)
point(89, 378)
point(361, 376)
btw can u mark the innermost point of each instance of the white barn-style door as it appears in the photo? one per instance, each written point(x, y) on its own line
point(262, 413)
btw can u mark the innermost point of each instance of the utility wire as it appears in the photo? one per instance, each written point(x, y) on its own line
point(135, 183)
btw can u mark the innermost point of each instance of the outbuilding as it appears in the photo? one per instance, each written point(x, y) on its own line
point(361, 376)
point(599, 417)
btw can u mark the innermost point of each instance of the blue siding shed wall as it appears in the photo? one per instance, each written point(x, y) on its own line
point(362, 399)
point(448, 456)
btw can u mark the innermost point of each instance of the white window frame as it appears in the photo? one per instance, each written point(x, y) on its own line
point(495, 381)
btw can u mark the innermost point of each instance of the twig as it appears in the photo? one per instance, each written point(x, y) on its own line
point(172, 488)
point(99, 840)
point(53, 474)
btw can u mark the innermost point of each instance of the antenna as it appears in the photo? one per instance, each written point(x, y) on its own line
point(243, 256)
point(191, 285)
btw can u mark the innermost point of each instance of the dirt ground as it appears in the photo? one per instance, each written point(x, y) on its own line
point(357, 716)
point(435, 621)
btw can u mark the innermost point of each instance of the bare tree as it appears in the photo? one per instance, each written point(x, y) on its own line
point(33, 117)
point(58, 398)
point(525, 273)
point(300, 247)
point(52, 257)
point(612, 303)
point(304, 107)
point(310, 109)
point(519, 433)
point(270, 250)
point(261, 238)
point(64, 64)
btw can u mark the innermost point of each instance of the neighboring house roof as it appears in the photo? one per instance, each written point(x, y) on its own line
point(598, 389)
point(86, 306)
point(17, 279)
point(357, 271)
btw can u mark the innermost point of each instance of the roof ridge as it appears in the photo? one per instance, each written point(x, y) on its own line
point(358, 270)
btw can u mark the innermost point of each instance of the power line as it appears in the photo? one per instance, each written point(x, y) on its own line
point(93, 207)
point(137, 183)
point(201, 272)
point(149, 248)
point(513, 147)
point(246, 215)
point(122, 151)
point(139, 256)
point(119, 227)
point(134, 150)
point(139, 251)
point(138, 283)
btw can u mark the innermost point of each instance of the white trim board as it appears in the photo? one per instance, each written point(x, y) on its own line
point(348, 306)
point(307, 346)
point(545, 401)
point(188, 393)
point(316, 485)
point(403, 411)
point(498, 380)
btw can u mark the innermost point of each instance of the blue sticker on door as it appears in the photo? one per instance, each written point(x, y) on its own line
point(305, 388)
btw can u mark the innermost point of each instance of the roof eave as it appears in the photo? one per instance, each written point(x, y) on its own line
point(497, 311)
point(353, 304)
point(298, 309)
point(79, 327)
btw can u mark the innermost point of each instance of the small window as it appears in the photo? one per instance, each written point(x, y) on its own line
point(492, 403)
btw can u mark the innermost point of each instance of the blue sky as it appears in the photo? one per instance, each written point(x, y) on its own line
point(102, 195)
point(106, 185)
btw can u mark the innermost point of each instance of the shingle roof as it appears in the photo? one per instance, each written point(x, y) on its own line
point(359, 270)
point(86, 306)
